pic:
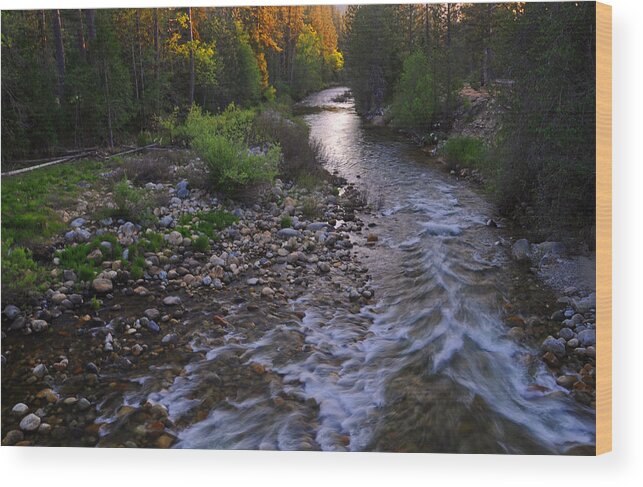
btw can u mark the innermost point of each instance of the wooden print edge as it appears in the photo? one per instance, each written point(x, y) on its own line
point(603, 228)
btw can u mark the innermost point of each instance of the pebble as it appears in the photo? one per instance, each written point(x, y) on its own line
point(550, 344)
point(175, 238)
point(153, 326)
point(30, 422)
point(102, 286)
point(152, 313)
point(253, 281)
point(566, 333)
point(11, 312)
point(587, 338)
point(39, 371)
point(39, 325)
point(323, 267)
point(20, 409)
point(266, 292)
point(171, 301)
point(170, 338)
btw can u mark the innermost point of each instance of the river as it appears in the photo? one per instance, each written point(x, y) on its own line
point(428, 367)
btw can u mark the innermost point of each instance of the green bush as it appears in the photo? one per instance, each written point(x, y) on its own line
point(131, 202)
point(230, 165)
point(413, 104)
point(464, 151)
point(209, 222)
point(233, 123)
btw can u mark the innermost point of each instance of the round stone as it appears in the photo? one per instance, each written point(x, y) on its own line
point(31, 422)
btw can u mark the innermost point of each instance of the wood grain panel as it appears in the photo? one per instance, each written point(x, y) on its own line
point(603, 228)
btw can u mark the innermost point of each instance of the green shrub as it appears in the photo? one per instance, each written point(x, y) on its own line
point(201, 243)
point(230, 165)
point(233, 124)
point(132, 203)
point(464, 151)
point(413, 105)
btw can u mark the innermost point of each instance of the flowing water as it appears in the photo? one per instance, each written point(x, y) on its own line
point(427, 367)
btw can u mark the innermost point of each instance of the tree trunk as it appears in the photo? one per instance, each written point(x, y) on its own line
point(448, 46)
point(191, 38)
point(108, 103)
point(157, 60)
point(90, 19)
point(81, 36)
point(60, 54)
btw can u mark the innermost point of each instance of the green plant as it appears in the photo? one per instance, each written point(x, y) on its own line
point(413, 103)
point(286, 222)
point(21, 275)
point(464, 151)
point(201, 243)
point(310, 207)
point(95, 303)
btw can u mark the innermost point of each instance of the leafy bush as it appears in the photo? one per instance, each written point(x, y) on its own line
point(233, 124)
point(464, 151)
point(230, 165)
point(413, 103)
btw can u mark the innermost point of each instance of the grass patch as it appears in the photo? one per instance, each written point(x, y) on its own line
point(29, 200)
point(465, 152)
point(209, 222)
point(286, 222)
point(201, 243)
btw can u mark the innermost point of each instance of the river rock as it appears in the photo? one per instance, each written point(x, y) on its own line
point(13, 437)
point(175, 238)
point(182, 190)
point(287, 233)
point(11, 311)
point(153, 326)
point(39, 371)
point(566, 333)
point(30, 422)
point(587, 338)
point(166, 221)
point(170, 338)
point(152, 313)
point(39, 325)
point(20, 409)
point(520, 251)
point(58, 298)
point(78, 222)
point(566, 381)
point(316, 226)
point(171, 301)
point(550, 344)
point(266, 292)
point(323, 267)
point(101, 285)
point(583, 305)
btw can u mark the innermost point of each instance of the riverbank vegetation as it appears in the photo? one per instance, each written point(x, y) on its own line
point(536, 60)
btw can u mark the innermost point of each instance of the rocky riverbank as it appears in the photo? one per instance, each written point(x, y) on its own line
point(67, 360)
